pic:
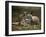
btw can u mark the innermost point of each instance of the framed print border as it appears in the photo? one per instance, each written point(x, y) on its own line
point(7, 17)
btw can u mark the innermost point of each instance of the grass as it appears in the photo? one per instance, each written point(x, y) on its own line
point(25, 27)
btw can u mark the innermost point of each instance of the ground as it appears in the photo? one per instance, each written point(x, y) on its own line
point(25, 27)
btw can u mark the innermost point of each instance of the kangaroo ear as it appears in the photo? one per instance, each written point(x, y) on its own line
point(31, 12)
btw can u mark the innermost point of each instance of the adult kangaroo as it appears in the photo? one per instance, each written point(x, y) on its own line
point(35, 20)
